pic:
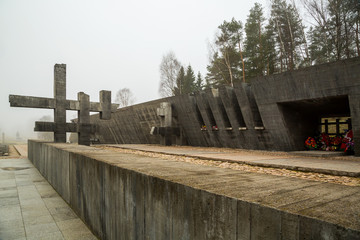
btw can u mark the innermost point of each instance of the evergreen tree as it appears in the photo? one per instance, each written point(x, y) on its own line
point(180, 79)
point(288, 30)
point(189, 80)
point(335, 34)
point(227, 63)
point(342, 27)
point(198, 83)
point(270, 54)
point(255, 43)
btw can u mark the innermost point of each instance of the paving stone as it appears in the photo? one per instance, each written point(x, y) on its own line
point(7, 183)
point(70, 235)
point(35, 211)
point(39, 230)
point(36, 220)
point(28, 204)
point(62, 213)
point(12, 233)
point(6, 201)
point(75, 229)
point(48, 236)
point(14, 223)
point(27, 198)
point(9, 213)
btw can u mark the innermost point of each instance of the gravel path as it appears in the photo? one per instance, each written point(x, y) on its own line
point(349, 181)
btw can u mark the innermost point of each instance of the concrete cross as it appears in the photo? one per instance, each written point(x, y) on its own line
point(60, 105)
point(166, 129)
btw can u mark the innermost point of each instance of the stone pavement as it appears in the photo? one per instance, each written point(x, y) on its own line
point(30, 208)
point(333, 165)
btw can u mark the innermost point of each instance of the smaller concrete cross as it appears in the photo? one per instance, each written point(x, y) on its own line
point(166, 130)
point(60, 105)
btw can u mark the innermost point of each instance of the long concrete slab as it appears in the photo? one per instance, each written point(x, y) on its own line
point(128, 196)
point(338, 166)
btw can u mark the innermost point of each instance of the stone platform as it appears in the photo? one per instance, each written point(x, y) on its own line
point(332, 163)
point(128, 196)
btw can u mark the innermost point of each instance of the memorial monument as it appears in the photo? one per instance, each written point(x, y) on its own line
point(60, 104)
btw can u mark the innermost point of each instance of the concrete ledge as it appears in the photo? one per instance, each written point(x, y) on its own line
point(125, 196)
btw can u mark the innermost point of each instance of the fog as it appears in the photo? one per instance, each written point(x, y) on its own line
point(107, 45)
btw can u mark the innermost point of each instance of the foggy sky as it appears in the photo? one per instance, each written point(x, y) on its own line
point(106, 44)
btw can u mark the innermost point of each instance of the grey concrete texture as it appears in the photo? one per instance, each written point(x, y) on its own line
point(31, 209)
point(306, 161)
point(275, 112)
point(60, 104)
point(127, 196)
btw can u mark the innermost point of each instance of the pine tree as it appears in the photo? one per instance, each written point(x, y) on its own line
point(180, 79)
point(255, 42)
point(289, 34)
point(335, 34)
point(189, 80)
point(227, 63)
point(198, 83)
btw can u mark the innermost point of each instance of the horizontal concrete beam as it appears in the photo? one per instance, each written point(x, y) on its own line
point(69, 127)
point(49, 103)
point(50, 127)
point(94, 106)
point(31, 102)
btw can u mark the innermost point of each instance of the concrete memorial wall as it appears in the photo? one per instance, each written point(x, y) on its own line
point(274, 112)
point(127, 196)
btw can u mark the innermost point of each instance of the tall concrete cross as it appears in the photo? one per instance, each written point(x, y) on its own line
point(60, 105)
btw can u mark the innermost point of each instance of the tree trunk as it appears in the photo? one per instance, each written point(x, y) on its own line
point(292, 44)
point(282, 47)
point(357, 35)
point(242, 60)
point(228, 65)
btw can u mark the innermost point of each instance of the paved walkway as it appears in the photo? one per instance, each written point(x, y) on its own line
point(31, 209)
point(334, 165)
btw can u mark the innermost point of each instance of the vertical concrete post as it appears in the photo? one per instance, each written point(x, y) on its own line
point(60, 102)
point(84, 119)
point(165, 114)
point(105, 104)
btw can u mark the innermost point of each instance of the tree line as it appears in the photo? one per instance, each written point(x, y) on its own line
point(261, 46)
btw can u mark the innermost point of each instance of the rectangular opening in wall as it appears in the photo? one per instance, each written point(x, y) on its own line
point(311, 117)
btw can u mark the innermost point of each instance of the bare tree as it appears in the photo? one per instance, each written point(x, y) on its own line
point(169, 69)
point(124, 97)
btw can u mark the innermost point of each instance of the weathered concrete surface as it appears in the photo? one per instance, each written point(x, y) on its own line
point(126, 196)
point(275, 112)
point(338, 166)
point(60, 104)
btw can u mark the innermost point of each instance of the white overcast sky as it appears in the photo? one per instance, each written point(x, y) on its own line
point(106, 44)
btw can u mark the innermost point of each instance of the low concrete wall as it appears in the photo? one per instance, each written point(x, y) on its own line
point(125, 196)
